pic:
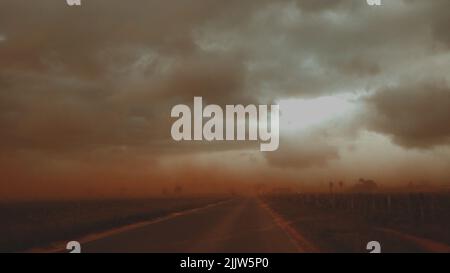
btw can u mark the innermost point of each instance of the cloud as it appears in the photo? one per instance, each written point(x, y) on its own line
point(318, 5)
point(440, 19)
point(414, 115)
point(81, 79)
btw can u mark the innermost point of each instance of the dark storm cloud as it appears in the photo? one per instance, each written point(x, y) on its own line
point(103, 77)
point(414, 115)
point(441, 23)
point(318, 5)
point(107, 74)
point(328, 47)
point(49, 32)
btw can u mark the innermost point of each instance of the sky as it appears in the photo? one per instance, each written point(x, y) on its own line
point(86, 94)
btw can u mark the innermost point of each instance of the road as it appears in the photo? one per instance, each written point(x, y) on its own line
point(238, 226)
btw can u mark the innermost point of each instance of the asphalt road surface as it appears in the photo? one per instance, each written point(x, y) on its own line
point(235, 226)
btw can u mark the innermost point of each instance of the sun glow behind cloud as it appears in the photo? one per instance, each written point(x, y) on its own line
point(302, 114)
